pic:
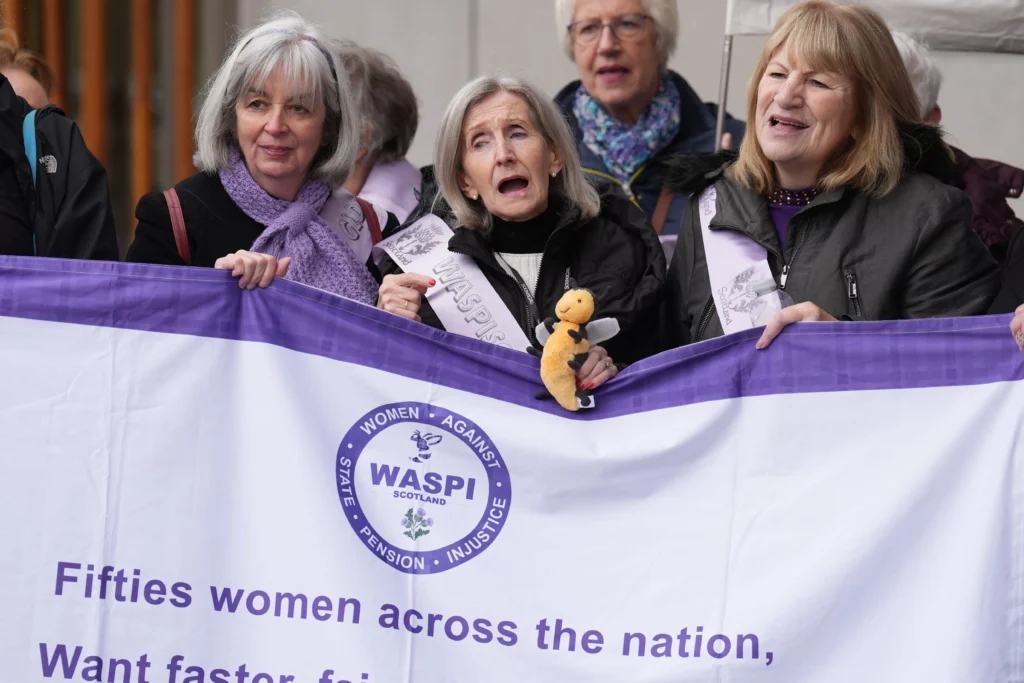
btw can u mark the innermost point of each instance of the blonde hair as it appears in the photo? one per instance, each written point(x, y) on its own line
point(12, 55)
point(664, 13)
point(569, 184)
point(855, 42)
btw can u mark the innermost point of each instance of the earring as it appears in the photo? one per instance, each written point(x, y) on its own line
point(473, 196)
point(554, 174)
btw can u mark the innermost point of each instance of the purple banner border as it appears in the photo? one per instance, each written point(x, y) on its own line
point(819, 357)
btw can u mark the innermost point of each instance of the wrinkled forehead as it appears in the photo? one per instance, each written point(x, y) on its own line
point(497, 110)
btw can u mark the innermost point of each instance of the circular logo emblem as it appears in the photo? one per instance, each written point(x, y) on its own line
point(424, 488)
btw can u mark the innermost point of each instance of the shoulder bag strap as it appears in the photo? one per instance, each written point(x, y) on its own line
point(28, 135)
point(661, 209)
point(370, 214)
point(178, 225)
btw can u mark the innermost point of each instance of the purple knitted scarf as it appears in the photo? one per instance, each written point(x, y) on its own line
point(320, 258)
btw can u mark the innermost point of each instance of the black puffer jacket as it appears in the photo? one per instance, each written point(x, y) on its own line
point(910, 254)
point(616, 255)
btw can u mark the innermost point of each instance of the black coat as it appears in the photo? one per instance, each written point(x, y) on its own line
point(1011, 294)
point(66, 212)
point(616, 255)
point(215, 225)
point(910, 254)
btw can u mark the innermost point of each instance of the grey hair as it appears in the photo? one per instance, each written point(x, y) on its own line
point(307, 59)
point(569, 184)
point(384, 99)
point(924, 74)
point(663, 12)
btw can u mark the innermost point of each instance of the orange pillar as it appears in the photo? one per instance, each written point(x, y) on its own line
point(93, 114)
point(184, 85)
point(142, 88)
point(12, 12)
point(53, 46)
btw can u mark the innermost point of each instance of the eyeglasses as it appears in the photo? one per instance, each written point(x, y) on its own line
point(625, 27)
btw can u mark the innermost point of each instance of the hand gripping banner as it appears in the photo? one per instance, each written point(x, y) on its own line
point(200, 484)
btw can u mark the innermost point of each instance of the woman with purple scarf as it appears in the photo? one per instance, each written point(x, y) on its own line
point(276, 134)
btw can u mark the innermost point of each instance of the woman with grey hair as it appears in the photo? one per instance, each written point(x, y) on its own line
point(629, 112)
point(988, 183)
point(276, 133)
point(525, 214)
point(386, 102)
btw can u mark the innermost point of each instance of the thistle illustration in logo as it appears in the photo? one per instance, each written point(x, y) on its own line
point(417, 240)
point(423, 444)
point(417, 524)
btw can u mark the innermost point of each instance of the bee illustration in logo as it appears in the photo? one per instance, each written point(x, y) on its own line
point(423, 444)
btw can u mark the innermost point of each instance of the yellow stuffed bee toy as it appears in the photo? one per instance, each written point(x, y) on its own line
point(566, 342)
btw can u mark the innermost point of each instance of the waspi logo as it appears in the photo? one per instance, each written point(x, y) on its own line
point(424, 488)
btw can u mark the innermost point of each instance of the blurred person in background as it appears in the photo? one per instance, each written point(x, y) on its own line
point(276, 134)
point(387, 106)
point(988, 183)
point(30, 76)
point(628, 112)
point(54, 194)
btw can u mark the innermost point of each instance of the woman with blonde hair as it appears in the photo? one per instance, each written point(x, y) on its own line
point(837, 205)
point(526, 216)
point(30, 76)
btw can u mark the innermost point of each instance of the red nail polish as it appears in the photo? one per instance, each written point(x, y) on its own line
point(433, 282)
point(590, 386)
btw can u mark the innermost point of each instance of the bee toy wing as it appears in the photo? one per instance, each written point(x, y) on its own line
point(542, 333)
point(602, 330)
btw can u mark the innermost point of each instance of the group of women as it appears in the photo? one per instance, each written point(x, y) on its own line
point(837, 205)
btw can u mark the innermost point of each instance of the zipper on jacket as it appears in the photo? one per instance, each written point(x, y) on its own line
point(532, 311)
point(853, 293)
point(705, 318)
point(787, 265)
point(524, 302)
point(625, 188)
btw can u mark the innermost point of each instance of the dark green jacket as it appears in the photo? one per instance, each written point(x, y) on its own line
point(910, 254)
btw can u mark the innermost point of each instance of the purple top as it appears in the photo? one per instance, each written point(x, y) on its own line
point(782, 214)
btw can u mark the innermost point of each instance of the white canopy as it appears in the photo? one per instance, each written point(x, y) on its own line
point(957, 25)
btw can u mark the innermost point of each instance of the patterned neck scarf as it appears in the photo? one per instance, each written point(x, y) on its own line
point(624, 147)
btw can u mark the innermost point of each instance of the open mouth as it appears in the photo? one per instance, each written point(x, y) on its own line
point(613, 70)
point(513, 185)
point(780, 122)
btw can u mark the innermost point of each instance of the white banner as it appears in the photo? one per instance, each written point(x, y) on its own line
point(957, 25)
point(206, 485)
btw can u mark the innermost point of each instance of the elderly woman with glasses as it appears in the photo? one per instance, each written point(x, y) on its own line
point(628, 112)
point(277, 133)
point(523, 211)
